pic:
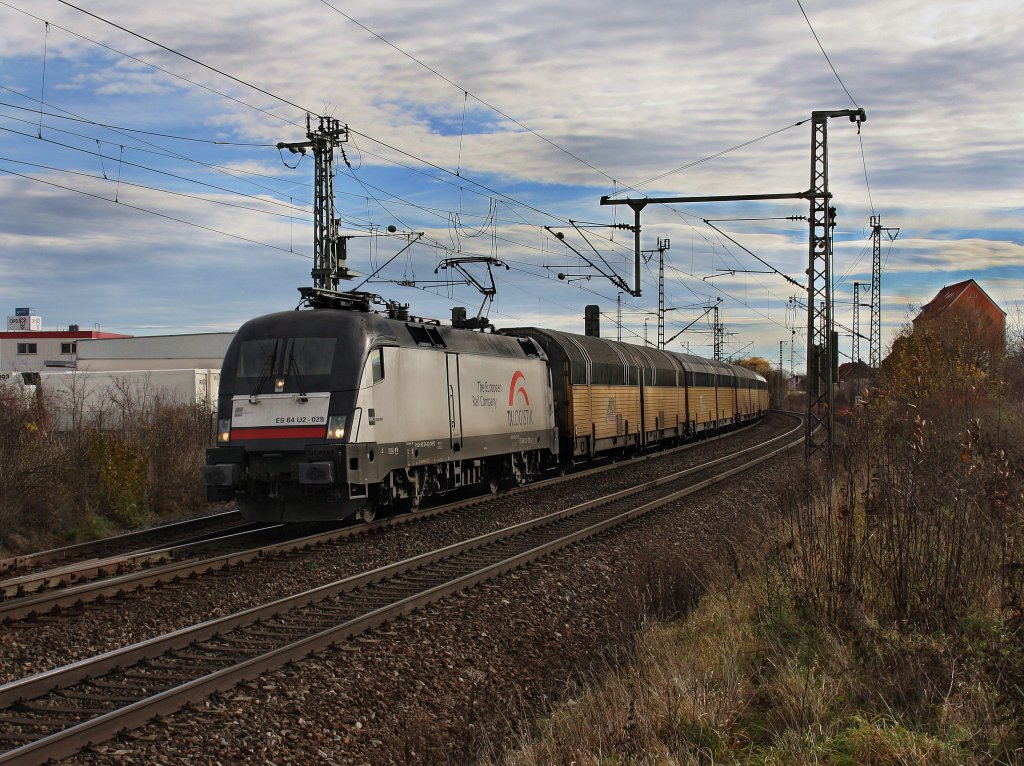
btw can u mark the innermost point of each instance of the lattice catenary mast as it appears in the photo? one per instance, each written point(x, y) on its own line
point(821, 341)
point(875, 333)
point(329, 250)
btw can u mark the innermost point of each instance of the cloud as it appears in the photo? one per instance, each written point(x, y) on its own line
point(603, 96)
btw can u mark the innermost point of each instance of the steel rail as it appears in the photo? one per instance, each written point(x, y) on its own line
point(81, 550)
point(154, 567)
point(43, 580)
point(106, 725)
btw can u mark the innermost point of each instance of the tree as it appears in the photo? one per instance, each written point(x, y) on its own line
point(954, 358)
point(758, 364)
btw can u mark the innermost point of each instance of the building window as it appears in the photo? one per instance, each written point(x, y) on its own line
point(68, 348)
point(27, 348)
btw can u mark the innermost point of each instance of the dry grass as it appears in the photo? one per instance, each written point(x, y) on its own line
point(676, 702)
point(743, 680)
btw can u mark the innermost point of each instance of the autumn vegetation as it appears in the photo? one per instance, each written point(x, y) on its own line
point(878, 617)
point(73, 472)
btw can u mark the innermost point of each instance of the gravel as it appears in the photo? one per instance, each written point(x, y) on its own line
point(441, 686)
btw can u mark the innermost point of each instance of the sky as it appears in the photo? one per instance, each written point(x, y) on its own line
point(142, 192)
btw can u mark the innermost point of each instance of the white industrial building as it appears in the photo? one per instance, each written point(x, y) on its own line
point(98, 375)
point(154, 352)
point(26, 347)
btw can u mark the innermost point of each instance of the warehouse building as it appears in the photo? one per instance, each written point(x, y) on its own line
point(26, 347)
point(155, 352)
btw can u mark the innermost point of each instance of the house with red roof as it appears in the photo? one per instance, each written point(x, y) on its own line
point(966, 309)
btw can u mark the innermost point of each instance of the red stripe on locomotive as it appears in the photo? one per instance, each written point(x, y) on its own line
point(279, 432)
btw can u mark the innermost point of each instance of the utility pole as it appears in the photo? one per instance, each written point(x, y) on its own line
point(330, 251)
point(856, 323)
point(792, 342)
point(663, 245)
point(821, 338)
point(782, 375)
point(618, 316)
point(716, 329)
point(875, 333)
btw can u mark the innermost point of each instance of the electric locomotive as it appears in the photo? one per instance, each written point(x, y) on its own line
point(339, 411)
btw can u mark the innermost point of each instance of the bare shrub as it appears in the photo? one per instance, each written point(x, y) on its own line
point(918, 521)
point(31, 463)
point(912, 544)
point(88, 462)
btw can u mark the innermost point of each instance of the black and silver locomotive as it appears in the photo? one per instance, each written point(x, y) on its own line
point(340, 411)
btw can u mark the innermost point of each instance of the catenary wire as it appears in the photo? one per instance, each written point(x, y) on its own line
point(155, 148)
point(124, 182)
point(185, 56)
point(823, 53)
point(154, 66)
point(464, 90)
point(137, 130)
point(158, 214)
point(155, 170)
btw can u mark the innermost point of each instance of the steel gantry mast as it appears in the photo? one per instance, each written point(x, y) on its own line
point(875, 333)
point(821, 342)
point(855, 351)
point(822, 346)
point(663, 245)
point(329, 250)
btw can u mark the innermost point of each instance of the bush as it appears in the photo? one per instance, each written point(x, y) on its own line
point(82, 474)
point(912, 544)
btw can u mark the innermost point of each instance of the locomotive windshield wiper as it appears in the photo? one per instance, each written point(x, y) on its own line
point(268, 368)
point(293, 366)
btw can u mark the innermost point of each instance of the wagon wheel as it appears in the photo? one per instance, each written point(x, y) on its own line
point(409, 504)
point(493, 482)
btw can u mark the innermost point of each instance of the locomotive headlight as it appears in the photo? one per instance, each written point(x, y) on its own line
point(336, 427)
point(224, 430)
point(278, 385)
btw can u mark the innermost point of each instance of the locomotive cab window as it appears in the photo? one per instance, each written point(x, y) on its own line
point(256, 358)
point(373, 372)
point(311, 356)
point(286, 356)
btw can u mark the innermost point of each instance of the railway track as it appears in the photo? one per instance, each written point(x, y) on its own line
point(70, 585)
point(56, 713)
point(129, 543)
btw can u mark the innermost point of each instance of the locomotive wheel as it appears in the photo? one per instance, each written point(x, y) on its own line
point(367, 513)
